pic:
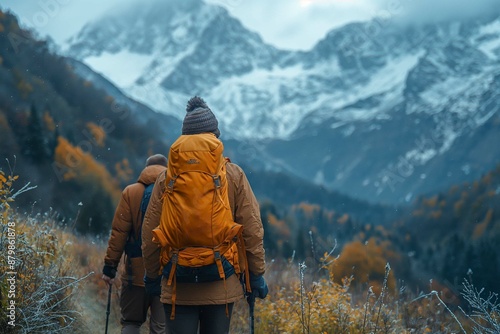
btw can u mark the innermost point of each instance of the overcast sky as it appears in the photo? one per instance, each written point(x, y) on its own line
point(289, 24)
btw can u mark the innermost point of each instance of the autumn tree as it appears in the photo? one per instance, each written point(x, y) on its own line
point(366, 262)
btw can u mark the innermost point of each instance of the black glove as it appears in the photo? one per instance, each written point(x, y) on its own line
point(109, 271)
point(153, 285)
point(258, 285)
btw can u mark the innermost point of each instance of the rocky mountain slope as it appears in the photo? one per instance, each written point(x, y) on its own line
point(380, 110)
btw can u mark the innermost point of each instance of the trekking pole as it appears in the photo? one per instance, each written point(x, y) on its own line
point(251, 304)
point(108, 308)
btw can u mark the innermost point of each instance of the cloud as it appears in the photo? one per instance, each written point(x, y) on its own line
point(296, 24)
point(287, 24)
point(428, 11)
point(59, 19)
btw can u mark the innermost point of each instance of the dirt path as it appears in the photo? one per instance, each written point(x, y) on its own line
point(92, 303)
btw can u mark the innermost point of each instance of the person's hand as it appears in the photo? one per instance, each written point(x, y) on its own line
point(108, 274)
point(258, 285)
point(152, 285)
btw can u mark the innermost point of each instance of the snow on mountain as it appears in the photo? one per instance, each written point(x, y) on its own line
point(373, 94)
point(488, 39)
point(259, 91)
point(113, 65)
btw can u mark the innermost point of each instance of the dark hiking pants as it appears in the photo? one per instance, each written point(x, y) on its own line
point(134, 304)
point(211, 319)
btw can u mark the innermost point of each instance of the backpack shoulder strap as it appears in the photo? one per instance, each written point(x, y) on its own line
point(148, 190)
point(135, 233)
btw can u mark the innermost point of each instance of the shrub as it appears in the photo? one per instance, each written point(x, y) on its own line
point(37, 280)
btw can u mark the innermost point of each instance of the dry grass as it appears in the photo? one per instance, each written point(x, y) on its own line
point(59, 290)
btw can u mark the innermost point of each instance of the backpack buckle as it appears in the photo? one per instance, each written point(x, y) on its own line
point(170, 185)
point(218, 262)
point(217, 181)
point(175, 257)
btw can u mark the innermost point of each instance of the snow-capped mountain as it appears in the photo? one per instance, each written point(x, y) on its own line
point(163, 52)
point(380, 110)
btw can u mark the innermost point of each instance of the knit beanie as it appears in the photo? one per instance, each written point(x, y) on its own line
point(199, 118)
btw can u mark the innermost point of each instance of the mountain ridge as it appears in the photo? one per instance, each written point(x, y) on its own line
point(74, 135)
point(358, 92)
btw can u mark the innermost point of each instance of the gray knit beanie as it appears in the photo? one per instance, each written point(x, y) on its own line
point(199, 118)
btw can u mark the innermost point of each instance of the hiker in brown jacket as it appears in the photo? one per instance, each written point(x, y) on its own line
point(126, 227)
point(202, 306)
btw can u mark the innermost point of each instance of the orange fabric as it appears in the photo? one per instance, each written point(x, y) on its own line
point(245, 211)
point(196, 199)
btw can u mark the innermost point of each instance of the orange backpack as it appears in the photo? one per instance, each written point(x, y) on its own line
point(200, 240)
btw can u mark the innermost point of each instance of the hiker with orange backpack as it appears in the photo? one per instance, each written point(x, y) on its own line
point(126, 238)
point(202, 234)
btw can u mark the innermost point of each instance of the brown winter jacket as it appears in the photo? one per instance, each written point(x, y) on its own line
point(128, 217)
point(246, 212)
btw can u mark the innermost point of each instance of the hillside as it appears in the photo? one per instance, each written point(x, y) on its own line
point(455, 234)
point(75, 143)
point(59, 289)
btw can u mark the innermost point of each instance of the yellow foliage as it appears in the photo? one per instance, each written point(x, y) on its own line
point(436, 214)
point(109, 99)
point(82, 167)
point(25, 88)
point(3, 121)
point(309, 209)
point(487, 179)
point(97, 133)
point(330, 215)
point(431, 202)
point(342, 220)
point(42, 264)
point(6, 182)
point(480, 228)
point(418, 213)
point(49, 121)
point(123, 171)
point(327, 309)
point(458, 207)
point(365, 261)
point(382, 230)
point(279, 225)
point(2, 29)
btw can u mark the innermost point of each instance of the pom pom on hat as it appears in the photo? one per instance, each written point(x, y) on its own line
point(199, 118)
point(196, 102)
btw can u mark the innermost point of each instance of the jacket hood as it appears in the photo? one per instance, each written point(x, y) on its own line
point(150, 173)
